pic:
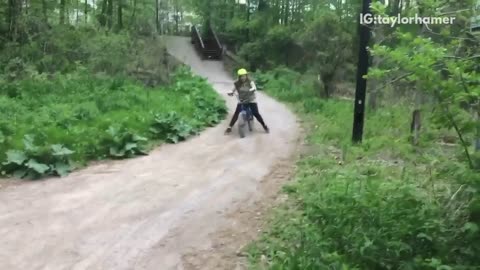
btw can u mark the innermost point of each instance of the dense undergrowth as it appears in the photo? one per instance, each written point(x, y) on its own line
point(62, 49)
point(383, 204)
point(72, 95)
point(45, 125)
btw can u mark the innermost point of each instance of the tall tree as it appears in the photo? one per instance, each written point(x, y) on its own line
point(62, 11)
point(86, 11)
point(120, 14)
point(176, 16)
point(77, 8)
point(109, 14)
point(12, 16)
point(134, 9)
point(157, 19)
point(45, 11)
point(103, 14)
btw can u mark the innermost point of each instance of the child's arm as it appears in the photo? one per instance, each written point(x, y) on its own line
point(253, 87)
point(233, 91)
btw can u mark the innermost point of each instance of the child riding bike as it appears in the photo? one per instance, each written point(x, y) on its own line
point(245, 88)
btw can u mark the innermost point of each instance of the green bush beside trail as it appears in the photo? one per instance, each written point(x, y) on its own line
point(380, 205)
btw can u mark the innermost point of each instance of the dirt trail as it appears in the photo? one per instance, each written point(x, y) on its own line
point(147, 212)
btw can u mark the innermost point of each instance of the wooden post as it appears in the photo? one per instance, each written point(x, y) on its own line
point(415, 126)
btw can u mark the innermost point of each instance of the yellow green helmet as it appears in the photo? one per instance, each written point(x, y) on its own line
point(242, 71)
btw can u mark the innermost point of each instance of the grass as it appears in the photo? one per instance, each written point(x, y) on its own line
point(72, 95)
point(383, 204)
point(97, 117)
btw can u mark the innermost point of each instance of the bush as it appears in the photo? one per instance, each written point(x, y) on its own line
point(97, 117)
point(63, 49)
point(379, 205)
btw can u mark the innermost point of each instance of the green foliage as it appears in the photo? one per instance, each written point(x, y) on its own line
point(370, 217)
point(98, 117)
point(65, 49)
point(310, 34)
point(329, 47)
point(34, 161)
point(379, 205)
point(287, 85)
point(123, 143)
point(444, 69)
point(171, 128)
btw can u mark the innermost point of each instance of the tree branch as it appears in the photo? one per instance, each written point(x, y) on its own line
point(393, 81)
point(460, 136)
point(464, 58)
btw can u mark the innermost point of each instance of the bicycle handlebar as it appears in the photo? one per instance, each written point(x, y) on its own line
point(238, 97)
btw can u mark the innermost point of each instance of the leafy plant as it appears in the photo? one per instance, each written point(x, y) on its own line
point(122, 143)
point(36, 161)
point(379, 205)
point(75, 109)
point(171, 128)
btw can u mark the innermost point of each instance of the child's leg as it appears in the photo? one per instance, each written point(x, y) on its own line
point(235, 116)
point(234, 119)
point(256, 113)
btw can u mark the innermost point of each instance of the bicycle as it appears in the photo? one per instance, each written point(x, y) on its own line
point(245, 117)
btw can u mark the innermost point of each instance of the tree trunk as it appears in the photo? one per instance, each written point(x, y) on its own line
point(287, 12)
point(373, 101)
point(120, 15)
point(44, 11)
point(176, 16)
point(62, 11)
point(278, 10)
point(77, 8)
point(248, 20)
point(329, 89)
point(415, 126)
point(166, 30)
point(395, 8)
point(103, 15)
point(132, 19)
point(374, 93)
point(407, 5)
point(110, 14)
point(86, 11)
point(157, 19)
point(67, 13)
point(12, 16)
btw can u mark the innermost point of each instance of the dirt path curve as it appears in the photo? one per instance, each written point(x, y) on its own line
point(147, 212)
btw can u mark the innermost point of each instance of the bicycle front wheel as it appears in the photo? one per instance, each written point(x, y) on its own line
point(242, 122)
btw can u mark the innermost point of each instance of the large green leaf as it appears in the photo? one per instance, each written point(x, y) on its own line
point(116, 152)
point(138, 138)
point(112, 131)
point(60, 150)
point(62, 168)
point(28, 141)
point(172, 138)
point(15, 157)
point(20, 173)
point(38, 167)
point(130, 146)
point(154, 130)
